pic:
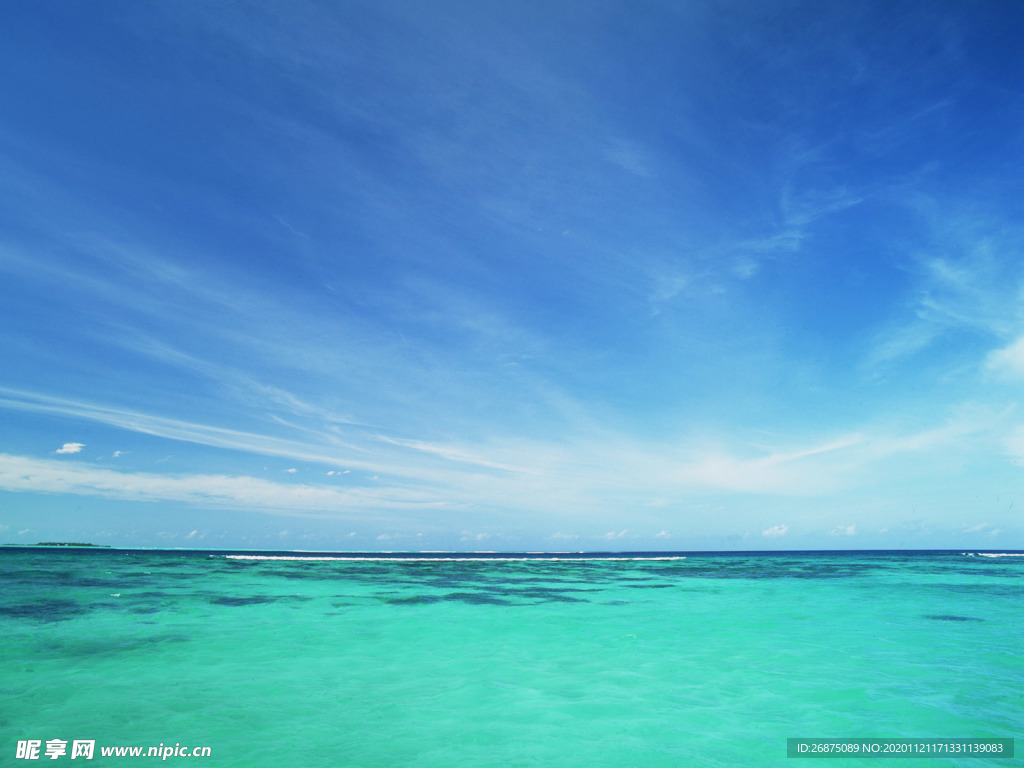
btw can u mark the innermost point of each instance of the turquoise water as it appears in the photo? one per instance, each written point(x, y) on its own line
point(711, 660)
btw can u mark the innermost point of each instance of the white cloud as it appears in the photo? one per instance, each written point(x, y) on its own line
point(291, 471)
point(970, 285)
point(849, 530)
point(1008, 362)
point(801, 471)
point(630, 157)
point(449, 453)
point(173, 429)
point(408, 458)
point(19, 473)
point(1014, 443)
point(953, 433)
point(897, 343)
point(663, 535)
point(71, 448)
point(775, 530)
point(666, 287)
point(580, 473)
point(985, 528)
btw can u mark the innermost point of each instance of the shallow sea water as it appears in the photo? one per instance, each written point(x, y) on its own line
point(707, 660)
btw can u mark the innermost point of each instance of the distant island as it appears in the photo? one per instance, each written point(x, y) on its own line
point(69, 544)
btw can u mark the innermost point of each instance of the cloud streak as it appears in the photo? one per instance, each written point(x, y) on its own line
point(517, 272)
point(601, 474)
point(19, 473)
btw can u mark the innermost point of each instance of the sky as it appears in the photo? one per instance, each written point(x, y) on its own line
point(603, 275)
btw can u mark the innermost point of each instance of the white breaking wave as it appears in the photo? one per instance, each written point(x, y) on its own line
point(1001, 554)
point(441, 559)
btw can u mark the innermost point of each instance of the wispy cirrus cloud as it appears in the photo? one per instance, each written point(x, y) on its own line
point(581, 471)
point(451, 454)
point(963, 281)
point(19, 473)
point(173, 429)
point(367, 451)
point(1007, 362)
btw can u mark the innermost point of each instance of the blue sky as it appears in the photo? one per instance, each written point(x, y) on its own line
point(490, 275)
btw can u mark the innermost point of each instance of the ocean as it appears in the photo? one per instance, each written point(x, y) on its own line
point(646, 659)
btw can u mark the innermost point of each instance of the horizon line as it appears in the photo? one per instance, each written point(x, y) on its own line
point(495, 553)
